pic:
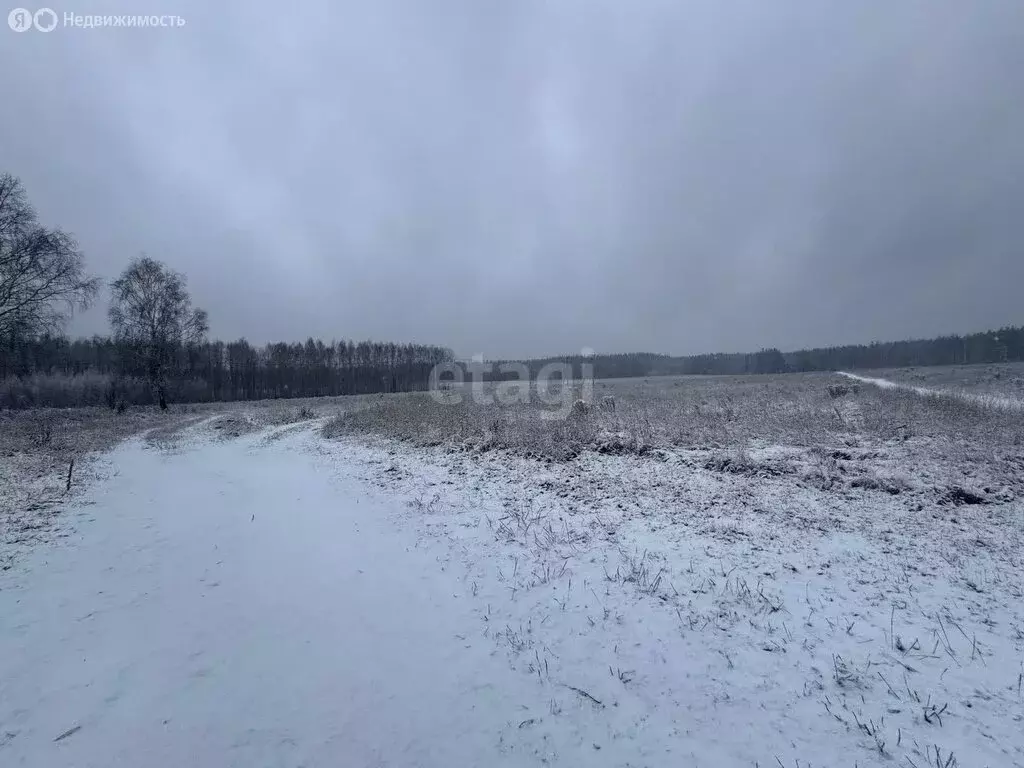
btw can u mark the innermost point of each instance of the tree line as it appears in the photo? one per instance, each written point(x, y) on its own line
point(55, 370)
point(997, 346)
point(157, 350)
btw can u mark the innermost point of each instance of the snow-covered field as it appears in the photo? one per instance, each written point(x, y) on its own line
point(999, 379)
point(989, 400)
point(727, 593)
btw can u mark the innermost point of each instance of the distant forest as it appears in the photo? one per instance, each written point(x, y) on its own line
point(1004, 345)
point(158, 351)
point(54, 370)
point(57, 371)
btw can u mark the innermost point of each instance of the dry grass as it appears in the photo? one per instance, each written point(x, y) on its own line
point(698, 412)
point(999, 379)
point(420, 418)
point(66, 432)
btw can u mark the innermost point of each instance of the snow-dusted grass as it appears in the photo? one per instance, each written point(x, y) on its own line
point(889, 430)
point(762, 571)
point(986, 400)
point(999, 379)
point(703, 616)
point(660, 412)
point(841, 589)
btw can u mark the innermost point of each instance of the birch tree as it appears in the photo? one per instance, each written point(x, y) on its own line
point(152, 317)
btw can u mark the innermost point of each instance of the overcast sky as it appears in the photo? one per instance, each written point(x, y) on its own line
point(525, 177)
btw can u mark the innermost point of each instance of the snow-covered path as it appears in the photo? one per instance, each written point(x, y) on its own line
point(243, 605)
point(989, 401)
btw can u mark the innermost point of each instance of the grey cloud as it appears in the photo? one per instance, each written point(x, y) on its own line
point(534, 177)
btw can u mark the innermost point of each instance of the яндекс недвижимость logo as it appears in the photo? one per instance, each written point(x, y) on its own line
point(46, 20)
point(22, 19)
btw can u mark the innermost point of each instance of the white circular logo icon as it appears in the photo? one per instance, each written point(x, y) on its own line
point(45, 20)
point(20, 19)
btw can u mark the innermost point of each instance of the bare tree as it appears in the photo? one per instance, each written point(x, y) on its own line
point(42, 272)
point(152, 317)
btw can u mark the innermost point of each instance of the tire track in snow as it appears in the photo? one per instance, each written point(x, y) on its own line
point(988, 401)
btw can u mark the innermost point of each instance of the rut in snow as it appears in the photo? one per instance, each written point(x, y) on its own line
point(988, 401)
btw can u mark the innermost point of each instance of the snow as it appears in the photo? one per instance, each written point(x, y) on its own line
point(229, 606)
point(771, 609)
point(987, 400)
point(282, 600)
